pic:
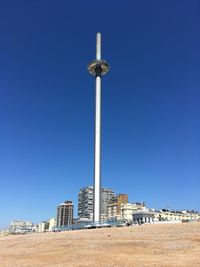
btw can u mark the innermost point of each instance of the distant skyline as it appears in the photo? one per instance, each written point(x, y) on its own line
point(150, 100)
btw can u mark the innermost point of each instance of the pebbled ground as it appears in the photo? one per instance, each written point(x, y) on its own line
point(147, 245)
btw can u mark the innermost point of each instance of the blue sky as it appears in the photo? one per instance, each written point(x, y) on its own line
point(151, 111)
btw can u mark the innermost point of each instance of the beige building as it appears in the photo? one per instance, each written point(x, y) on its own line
point(121, 199)
point(166, 215)
point(42, 227)
point(114, 208)
point(46, 226)
point(127, 210)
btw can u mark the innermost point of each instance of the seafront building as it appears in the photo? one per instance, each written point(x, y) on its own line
point(86, 198)
point(112, 212)
point(52, 224)
point(121, 199)
point(85, 202)
point(65, 213)
point(20, 227)
point(45, 226)
point(131, 213)
point(107, 196)
point(42, 227)
point(127, 210)
point(182, 215)
point(114, 208)
point(155, 216)
point(143, 215)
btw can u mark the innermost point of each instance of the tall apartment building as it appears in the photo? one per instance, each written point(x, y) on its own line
point(85, 202)
point(107, 196)
point(65, 213)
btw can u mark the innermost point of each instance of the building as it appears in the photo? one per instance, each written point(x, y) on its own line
point(82, 221)
point(42, 227)
point(45, 226)
point(112, 212)
point(20, 227)
point(127, 210)
point(114, 208)
point(65, 213)
point(52, 224)
point(85, 202)
point(183, 215)
point(121, 199)
point(107, 196)
point(143, 216)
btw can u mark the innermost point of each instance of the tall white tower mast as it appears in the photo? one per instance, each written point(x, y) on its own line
point(98, 68)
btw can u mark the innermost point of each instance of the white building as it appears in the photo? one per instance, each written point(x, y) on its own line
point(52, 224)
point(20, 227)
point(41, 227)
point(143, 216)
point(112, 211)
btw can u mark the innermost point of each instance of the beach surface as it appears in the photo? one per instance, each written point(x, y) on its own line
point(146, 245)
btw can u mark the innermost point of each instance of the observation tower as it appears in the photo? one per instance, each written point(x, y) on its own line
point(97, 68)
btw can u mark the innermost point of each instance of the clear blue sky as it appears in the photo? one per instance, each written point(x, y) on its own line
point(151, 96)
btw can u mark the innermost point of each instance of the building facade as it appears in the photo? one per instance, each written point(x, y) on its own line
point(114, 208)
point(127, 210)
point(85, 202)
point(112, 212)
point(107, 196)
point(121, 199)
point(20, 227)
point(43, 227)
point(183, 215)
point(143, 216)
point(52, 224)
point(65, 213)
